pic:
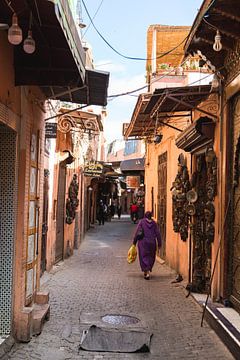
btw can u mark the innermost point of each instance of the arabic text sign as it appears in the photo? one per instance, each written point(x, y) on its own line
point(93, 168)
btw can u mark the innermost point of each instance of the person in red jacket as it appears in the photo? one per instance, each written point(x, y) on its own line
point(134, 212)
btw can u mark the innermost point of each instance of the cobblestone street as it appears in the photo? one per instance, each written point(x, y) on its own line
point(97, 280)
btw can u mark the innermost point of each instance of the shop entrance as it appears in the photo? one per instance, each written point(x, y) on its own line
point(204, 183)
point(162, 200)
point(60, 212)
point(8, 207)
point(45, 220)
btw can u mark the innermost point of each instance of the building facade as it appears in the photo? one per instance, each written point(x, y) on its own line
point(52, 67)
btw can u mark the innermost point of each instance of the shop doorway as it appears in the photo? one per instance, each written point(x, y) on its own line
point(8, 209)
point(162, 200)
point(45, 221)
point(60, 212)
point(204, 183)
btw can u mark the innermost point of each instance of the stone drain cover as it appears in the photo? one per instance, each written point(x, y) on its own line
point(120, 319)
point(115, 340)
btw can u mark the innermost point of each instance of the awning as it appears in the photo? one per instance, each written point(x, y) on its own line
point(198, 134)
point(93, 92)
point(224, 16)
point(86, 121)
point(59, 58)
point(166, 103)
point(177, 99)
point(58, 63)
point(139, 118)
point(132, 165)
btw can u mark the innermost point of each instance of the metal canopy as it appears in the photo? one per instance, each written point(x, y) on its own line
point(132, 165)
point(58, 63)
point(59, 58)
point(166, 103)
point(93, 92)
point(224, 16)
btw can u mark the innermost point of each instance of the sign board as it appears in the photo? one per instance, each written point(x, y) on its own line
point(50, 130)
point(93, 168)
point(133, 181)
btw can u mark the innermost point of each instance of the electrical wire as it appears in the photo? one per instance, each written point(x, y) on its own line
point(145, 86)
point(125, 56)
point(93, 18)
point(211, 26)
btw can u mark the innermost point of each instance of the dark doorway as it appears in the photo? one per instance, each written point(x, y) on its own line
point(45, 221)
point(60, 212)
point(202, 244)
point(162, 200)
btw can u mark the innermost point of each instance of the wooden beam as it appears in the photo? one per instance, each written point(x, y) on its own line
point(226, 14)
point(193, 107)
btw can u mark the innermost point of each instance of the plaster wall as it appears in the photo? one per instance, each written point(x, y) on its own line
point(22, 110)
point(177, 251)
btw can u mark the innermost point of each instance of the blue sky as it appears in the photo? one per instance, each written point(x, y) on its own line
point(124, 25)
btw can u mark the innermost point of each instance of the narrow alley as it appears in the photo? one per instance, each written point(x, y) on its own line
point(96, 281)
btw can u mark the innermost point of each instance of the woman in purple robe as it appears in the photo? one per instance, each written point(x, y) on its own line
point(147, 237)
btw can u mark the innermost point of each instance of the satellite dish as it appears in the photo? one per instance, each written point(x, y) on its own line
point(192, 196)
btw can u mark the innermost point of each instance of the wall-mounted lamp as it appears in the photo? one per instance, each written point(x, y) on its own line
point(90, 189)
point(215, 82)
point(217, 46)
point(158, 139)
point(15, 32)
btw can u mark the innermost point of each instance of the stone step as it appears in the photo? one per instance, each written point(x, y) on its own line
point(40, 314)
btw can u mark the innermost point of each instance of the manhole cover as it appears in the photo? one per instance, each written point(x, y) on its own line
point(120, 319)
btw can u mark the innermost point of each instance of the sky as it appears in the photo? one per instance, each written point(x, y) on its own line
point(124, 25)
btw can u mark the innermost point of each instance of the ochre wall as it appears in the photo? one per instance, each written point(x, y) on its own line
point(176, 249)
point(24, 114)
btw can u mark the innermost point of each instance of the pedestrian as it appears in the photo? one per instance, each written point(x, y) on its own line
point(134, 212)
point(112, 210)
point(119, 210)
point(147, 237)
point(101, 213)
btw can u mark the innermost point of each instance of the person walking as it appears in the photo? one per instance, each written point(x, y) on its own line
point(119, 210)
point(134, 212)
point(112, 210)
point(101, 212)
point(147, 237)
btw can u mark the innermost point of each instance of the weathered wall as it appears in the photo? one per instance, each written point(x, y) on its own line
point(176, 249)
point(22, 111)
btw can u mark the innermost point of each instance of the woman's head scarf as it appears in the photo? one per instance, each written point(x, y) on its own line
point(148, 215)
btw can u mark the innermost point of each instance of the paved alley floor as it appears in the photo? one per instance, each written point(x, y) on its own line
point(97, 280)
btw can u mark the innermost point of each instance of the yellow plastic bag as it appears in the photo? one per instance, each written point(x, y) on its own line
point(132, 254)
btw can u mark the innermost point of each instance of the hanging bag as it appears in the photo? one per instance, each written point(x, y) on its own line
point(132, 254)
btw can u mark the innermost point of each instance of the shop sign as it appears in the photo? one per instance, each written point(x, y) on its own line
point(50, 130)
point(133, 181)
point(93, 168)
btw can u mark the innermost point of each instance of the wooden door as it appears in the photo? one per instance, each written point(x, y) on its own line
point(60, 213)
point(162, 200)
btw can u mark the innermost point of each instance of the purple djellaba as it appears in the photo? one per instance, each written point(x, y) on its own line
point(146, 237)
